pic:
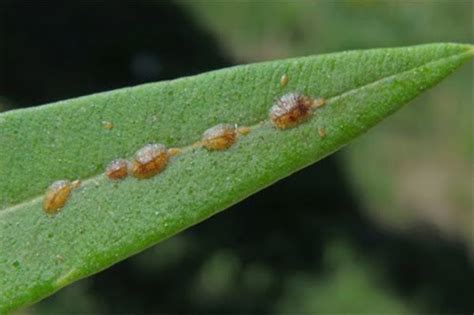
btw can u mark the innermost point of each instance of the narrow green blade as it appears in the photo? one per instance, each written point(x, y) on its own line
point(104, 222)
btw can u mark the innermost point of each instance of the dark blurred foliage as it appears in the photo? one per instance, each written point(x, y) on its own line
point(255, 256)
point(52, 50)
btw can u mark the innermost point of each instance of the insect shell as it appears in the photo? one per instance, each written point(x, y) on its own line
point(117, 169)
point(57, 194)
point(149, 161)
point(219, 137)
point(290, 110)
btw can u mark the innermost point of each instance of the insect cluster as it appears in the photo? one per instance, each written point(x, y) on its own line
point(287, 111)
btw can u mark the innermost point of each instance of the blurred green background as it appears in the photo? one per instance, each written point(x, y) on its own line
point(383, 226)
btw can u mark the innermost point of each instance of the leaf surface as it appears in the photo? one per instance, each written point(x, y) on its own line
point(104, 222)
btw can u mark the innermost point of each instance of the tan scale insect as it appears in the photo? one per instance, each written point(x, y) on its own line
point(57, 194)
point(284, 80)
point(117, 169)
point(219, 137)
point(318, 102)
point(107, 125)
point(293, 108)
point(76, 183)
point(174, 151)
point(322, 132)
point(149, 161)
point(244, 130)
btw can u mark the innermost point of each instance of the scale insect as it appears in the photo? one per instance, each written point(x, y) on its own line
point(219, 137)
point(174, 151)
point(117, 169)
point(244, 130)
point(322, 132)
point(284, 80)
point(149, 161)
point(107, 125)
point(292, 109)
point(57, 195)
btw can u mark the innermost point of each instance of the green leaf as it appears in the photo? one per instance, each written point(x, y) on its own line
point(104, 222)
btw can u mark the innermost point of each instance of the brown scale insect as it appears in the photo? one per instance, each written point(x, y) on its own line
point(219, 137)
point(149, 161)
point(291, 109)
point(57, 194)
point(117, 169)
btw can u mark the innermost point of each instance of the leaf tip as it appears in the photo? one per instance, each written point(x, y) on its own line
point(467, 48)
point(471, 50)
